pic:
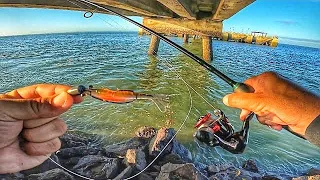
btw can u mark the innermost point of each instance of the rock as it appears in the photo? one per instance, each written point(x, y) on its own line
point(171, 158)
point(313, 172)
point(69, 141)
point(160, 141)
point(124, 174)
point(137, 158)
point(226, 166)
point(97, 167)
point(251, 174)
point(182, 151)
point(315, 177)
point(250, 165)
point(71, 144)
point(243, 177)
point(213, 169)
point(144, 176)
point(153, 174)
point(45, 166)
point(82, 151)
point(156, 168)
point(269, 177)
point(70, 162)
point(53, 174)
point(179, 171)
point(228, 171)
point(120, 149)
point(227, 175)
point(12, 176)
point(146, 132)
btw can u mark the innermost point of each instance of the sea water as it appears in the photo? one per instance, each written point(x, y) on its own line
point(120, 61)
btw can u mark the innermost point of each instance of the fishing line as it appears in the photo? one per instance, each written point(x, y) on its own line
point(179, 129)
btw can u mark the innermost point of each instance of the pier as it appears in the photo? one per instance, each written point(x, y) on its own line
point(259, 38)
point(201, 18)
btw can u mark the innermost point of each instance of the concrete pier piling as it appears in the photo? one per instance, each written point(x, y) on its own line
point(186, 38)
point(207, 52)
point(154, 45)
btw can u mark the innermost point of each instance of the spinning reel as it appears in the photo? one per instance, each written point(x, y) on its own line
point(217, 131)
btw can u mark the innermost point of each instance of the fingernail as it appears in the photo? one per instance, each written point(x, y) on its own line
point(225, 100)
point(60, 100)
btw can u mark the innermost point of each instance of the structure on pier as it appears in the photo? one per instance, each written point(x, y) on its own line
point(190, 17)
point(259, 38)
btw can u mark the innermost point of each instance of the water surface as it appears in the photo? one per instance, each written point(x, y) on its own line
point(120, 61)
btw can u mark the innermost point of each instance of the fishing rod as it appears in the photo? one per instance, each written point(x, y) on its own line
point(236, 86)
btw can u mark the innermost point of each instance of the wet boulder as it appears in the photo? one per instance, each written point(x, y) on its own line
point(98, 167)
point(179, 171)
point(125, 173)
point(144, 176)
point(12, 176)
point(136, 158)
point(228, 171)
point(146, 132)
point(82, 151)
point(69, 141)
point(250, 165)
point(69, 162)
point(53, 174)
point(160, 142)
point(121, 148)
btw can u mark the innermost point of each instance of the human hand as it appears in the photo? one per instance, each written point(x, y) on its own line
point(32, 113)
point(276, 102)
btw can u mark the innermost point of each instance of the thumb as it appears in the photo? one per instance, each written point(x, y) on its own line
point(27, 109)
point(247, 101)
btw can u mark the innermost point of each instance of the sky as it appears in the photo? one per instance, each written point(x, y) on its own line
point(287, 19)
point(284, 18)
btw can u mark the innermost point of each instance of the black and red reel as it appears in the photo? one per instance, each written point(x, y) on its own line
point(218, 131)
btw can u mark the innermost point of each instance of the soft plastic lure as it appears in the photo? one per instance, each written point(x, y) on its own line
point(120, 96)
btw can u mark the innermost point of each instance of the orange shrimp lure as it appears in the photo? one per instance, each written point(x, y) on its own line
point(121, 96)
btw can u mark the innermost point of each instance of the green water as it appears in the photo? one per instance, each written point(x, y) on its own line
point(119, 61)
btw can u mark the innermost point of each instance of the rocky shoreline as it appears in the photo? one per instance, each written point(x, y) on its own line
point(84, 156)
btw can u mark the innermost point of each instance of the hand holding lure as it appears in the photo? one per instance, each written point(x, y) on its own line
point(120, 96)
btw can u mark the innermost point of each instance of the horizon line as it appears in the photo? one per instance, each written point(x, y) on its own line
point(317, 42)
point(68, 32)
